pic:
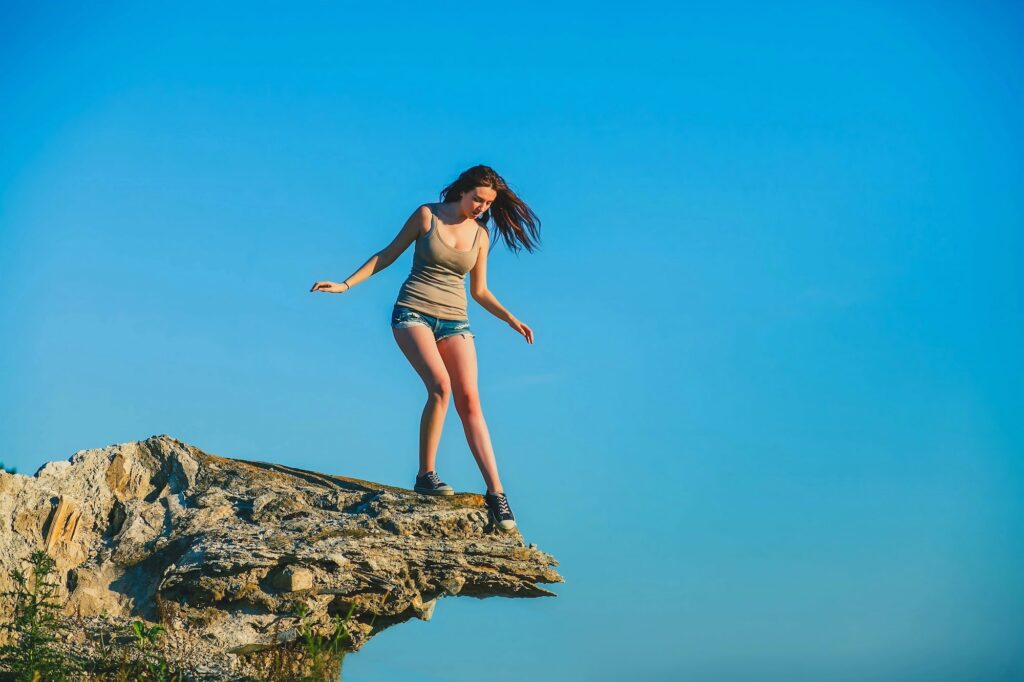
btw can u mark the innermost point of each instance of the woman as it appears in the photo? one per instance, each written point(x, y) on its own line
point(430, 322)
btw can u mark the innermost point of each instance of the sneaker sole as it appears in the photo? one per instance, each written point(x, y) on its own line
point(497, 523)
point(431, 491)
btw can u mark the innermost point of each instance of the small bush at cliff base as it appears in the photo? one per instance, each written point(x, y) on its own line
point(35, 626)
point(312, 657)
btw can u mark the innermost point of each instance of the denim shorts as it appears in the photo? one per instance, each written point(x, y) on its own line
point(402, 317)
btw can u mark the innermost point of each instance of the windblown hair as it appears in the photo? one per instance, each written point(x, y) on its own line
point(516, 223)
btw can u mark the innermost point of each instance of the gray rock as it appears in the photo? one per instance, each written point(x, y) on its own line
point(220, 551)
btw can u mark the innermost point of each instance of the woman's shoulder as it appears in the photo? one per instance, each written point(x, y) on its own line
point(426, 213)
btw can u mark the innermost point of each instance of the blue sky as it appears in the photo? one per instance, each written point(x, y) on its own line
point(771, 424)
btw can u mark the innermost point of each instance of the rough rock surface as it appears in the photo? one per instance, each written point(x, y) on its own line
point(220, 550)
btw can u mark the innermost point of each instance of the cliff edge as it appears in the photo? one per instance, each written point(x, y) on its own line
point(219, 550)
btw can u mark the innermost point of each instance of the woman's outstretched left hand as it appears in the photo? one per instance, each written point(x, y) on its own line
point(522, 329)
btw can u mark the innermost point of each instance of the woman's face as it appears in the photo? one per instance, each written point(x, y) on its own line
point(477, 201)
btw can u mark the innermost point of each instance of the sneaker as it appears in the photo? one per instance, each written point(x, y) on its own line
point(500, 512)
point(430, 484)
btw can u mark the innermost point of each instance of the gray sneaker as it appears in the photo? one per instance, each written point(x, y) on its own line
point(430, 484)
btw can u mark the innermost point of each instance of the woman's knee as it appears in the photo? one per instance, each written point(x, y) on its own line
point(467, 402)
point(439, 387)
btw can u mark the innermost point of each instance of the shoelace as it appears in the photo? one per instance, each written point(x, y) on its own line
point(433, 478)
point(503, 507)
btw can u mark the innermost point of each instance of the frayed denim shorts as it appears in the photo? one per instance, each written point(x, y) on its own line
point(402, 317)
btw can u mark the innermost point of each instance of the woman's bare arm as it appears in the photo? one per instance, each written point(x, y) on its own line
point(482, 295)
point(385, 257)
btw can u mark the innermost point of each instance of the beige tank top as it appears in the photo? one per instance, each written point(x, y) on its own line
point(437, 283)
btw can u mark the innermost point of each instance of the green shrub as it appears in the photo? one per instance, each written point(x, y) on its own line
point(318, 657)
point(36, 624)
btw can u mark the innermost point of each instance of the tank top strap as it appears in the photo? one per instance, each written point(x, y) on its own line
point(430, 230)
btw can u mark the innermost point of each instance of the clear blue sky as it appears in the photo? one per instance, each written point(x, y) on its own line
point(772, 422)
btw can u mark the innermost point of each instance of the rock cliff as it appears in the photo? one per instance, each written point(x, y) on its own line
point(219, 550)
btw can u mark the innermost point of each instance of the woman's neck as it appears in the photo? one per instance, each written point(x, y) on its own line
point(458, 218)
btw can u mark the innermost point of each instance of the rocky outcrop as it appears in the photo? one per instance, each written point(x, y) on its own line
point(223, 549)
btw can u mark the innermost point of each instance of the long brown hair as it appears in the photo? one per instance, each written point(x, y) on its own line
point(517, 224)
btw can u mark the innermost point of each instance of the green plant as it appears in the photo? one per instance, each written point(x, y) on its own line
point(11, 470)
point(325, 653)
point(113, 663)
point(145, 640)
point(35, 626)
point(145, 636)
point(318, 657)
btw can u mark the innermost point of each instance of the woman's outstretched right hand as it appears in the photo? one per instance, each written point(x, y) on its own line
point(330, 287)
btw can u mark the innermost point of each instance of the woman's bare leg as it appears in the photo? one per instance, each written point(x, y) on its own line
point(459, 355)
point(419, 346)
